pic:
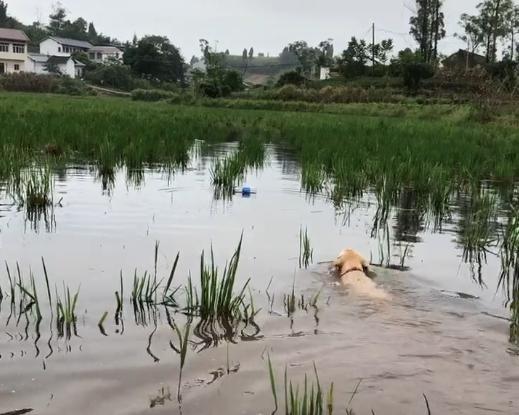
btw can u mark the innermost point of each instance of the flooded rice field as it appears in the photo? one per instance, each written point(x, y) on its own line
point(116, 349)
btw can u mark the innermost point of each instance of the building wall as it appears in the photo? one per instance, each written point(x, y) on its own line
point(52, 48)
point(105, 57)
point(10, 59)
point(9, 66)
point(36, 67)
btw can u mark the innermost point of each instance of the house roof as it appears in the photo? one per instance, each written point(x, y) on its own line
point(72, 42)
point(79, 64)
point(58, 60)
point(464, 53)
point(106, 49)
point(36, 57)
point(13, 34)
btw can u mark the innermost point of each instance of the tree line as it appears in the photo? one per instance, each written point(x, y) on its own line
point(492, 28)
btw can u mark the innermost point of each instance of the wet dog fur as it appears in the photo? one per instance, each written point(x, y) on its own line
point(353, 272)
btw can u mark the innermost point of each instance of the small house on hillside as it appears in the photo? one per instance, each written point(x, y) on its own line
point(463, 60)
point(105, 54)
point(61, 65)
point(59, 46)
point(13, 50)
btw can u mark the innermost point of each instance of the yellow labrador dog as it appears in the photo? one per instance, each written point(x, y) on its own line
point(352, 269)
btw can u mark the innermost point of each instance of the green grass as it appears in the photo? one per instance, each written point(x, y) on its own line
point(66, 317)
point(509, 279)
point(302, 400)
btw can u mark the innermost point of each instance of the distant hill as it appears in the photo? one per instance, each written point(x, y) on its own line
point(260, 69)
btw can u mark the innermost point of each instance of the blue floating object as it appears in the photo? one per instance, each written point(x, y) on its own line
point(246, 191)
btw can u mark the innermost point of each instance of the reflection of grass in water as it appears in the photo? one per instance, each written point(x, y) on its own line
point(509, 278)
point(306, 252)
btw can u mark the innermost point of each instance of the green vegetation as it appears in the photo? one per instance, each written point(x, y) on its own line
point(306, 252)
point(66, 312)
point(436, 151)
point(311, 400)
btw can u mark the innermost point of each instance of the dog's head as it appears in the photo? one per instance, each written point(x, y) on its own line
point(350, 259)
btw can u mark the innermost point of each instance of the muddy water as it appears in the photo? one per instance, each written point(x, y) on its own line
point(424, 341)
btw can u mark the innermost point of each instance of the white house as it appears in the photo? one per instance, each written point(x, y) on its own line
point(59, 46)
point(13, 50)
point(105, 54)
point(324, 73)
point(63, 65)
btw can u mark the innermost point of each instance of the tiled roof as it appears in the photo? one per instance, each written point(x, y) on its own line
point(13, 34)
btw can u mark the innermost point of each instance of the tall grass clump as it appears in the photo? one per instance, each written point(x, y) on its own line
point(509, 278)
point(225, 173)
point(302, 400)
point(218, 300)
point(66, 317)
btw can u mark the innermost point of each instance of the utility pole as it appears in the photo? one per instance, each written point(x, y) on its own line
point(373, 51)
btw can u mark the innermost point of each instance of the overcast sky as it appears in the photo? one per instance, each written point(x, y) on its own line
point(267, 25)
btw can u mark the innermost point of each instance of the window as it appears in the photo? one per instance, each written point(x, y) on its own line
point(16, 67)
point(99, 56)
point(92, 55)
point(59, 50)
point(18, 48)
point(4, 47)
point(117, 55)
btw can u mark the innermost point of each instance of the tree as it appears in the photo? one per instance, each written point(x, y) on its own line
point(306, 55)
point(326, 53)
point(381, 50)
point(428, 28)
point(354, 59)
point(57, 20)
point(493, 23)
point(3, 14)
point(251, 53)
point(156, 58)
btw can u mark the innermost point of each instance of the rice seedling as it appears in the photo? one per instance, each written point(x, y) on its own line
point(169, 293)
point(35, 190)
point(478, 227)
point(144, 289)
point(226, 172)
point(66, 312)
point(308, 400)
point(509, 277)
point(32, 293)
point(183, 342)
point(312, 178)
point(217, 299)
point(306, 252)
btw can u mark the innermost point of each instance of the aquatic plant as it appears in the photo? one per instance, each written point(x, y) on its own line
point(509, 277)
point(183, 342)
point(66, 312)
point(306, 252)
point(144, 289)
point(308, 400)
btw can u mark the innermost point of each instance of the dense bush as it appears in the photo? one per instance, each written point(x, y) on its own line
point(28, 82)
point(291, 78)
point(219, 82)
point(114, 76)
point(415, 72)
point(152, 95)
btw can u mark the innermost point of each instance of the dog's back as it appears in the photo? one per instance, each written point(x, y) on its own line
point(352, 268)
